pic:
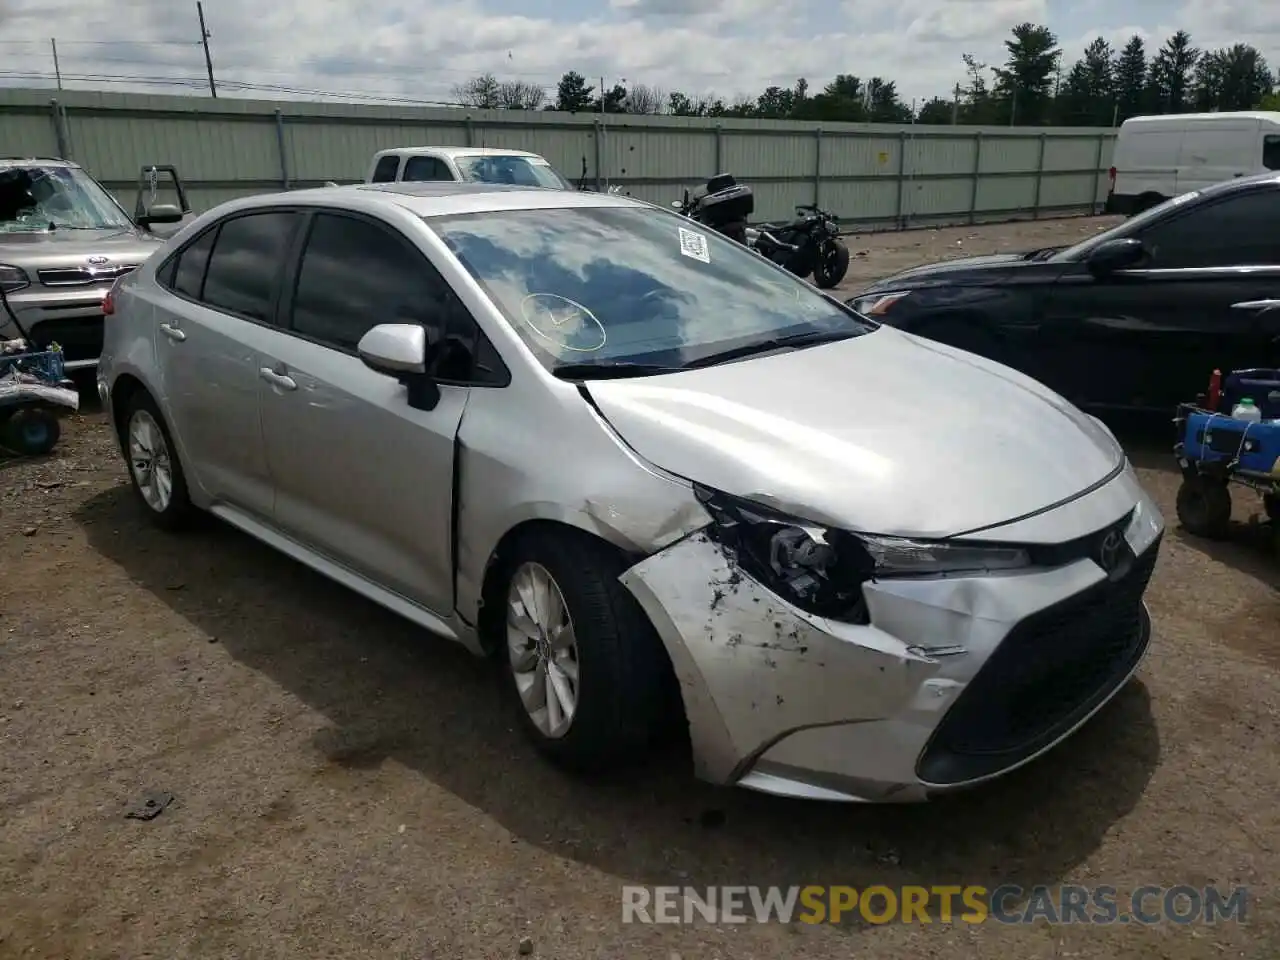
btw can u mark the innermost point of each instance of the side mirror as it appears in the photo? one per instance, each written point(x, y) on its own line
point(395, 349)
point(403, 351)
point(161, 213)
point(1116, 255)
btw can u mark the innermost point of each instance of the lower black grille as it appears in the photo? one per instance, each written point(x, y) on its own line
point(1051, 670)
point(79, 337)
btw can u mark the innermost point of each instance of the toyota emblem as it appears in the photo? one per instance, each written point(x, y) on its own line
point(1109, 551)
point(96, 261)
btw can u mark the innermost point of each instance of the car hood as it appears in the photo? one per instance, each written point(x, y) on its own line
point(953, 271)
point(884, 433)
point(59, 247)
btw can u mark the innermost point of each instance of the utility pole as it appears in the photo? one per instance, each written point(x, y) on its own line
point(57, 70)
point(955, 106)
point(204, 41)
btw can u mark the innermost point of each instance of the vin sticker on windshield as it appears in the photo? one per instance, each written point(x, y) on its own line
point(694, 245)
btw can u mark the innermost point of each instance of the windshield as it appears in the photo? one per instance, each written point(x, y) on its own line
point(615, 285)
point(55, 198)
point(1125, 228)
point(522, 171)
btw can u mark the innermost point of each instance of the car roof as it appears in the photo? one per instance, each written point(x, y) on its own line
point(1178, 119)
point(447, 151)
point(434, 198)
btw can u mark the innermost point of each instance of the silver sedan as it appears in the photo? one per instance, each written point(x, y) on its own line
point(663, 480)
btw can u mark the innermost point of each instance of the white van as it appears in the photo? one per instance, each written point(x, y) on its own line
point(1156, 158)
point(474, 164)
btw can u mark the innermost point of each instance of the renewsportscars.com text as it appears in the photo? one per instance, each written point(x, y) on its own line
point(1008, 904)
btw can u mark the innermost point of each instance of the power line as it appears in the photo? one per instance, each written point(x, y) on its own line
point(247, 86)
point(104, 43)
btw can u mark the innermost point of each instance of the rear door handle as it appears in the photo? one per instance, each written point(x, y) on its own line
point(1261, 306)
point(172, 332)
point(280, 380)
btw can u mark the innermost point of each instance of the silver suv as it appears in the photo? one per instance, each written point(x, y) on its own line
point(664, 480)
point(63, 240)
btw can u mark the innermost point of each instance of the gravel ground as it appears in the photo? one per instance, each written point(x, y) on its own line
point(347, 787)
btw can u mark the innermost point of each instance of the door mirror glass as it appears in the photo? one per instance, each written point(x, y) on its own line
point(161, 213)
point(1118, 254)
point(395, 349)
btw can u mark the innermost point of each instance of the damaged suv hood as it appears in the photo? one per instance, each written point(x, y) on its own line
point(884, 433)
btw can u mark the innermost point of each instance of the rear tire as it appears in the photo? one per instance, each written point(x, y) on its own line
point(832, 265)
point(590, 686)
point(154, 468)
point(1146, 202)
point(31, 431)
point(1204, 508)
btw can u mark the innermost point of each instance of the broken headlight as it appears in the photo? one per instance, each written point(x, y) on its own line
point(821, 569)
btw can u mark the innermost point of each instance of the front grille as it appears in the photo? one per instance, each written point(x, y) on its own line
point(79, 337)
point(1052, 669)
point(83, 276)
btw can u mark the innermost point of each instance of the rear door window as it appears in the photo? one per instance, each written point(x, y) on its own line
point(385, 170)
point(247, 261)
point(426, 169)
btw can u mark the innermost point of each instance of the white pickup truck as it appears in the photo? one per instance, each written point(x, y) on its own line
point(462, 164)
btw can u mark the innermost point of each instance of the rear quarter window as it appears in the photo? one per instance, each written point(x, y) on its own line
point(1271, 151)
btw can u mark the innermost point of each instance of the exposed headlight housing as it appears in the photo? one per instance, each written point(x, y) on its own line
point(13, 278)
point(877, 304)
point(821, 569)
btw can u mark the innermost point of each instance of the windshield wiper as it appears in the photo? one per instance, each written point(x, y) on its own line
point(810, 338)
point(610, 369)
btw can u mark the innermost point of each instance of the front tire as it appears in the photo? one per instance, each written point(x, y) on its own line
point(832, 265)
point(585, 666)
point(154, 468)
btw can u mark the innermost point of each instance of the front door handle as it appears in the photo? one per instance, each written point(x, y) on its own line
point(280, 380)
point(1261, 306)
point(172, 332)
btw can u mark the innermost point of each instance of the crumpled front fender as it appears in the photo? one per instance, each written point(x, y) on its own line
point(752, 668)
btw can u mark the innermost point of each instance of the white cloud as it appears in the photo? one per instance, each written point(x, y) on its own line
point(419, 51)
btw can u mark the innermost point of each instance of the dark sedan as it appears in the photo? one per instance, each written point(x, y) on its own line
point(1134, 318)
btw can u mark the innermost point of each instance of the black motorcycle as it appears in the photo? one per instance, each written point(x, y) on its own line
point(722, 204)
point(810, 244)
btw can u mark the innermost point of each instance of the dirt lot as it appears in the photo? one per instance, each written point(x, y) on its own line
point(347, 787)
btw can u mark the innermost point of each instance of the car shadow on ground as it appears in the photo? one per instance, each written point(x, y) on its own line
point(390, 691)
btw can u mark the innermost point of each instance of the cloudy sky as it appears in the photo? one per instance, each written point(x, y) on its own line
point(422, 50)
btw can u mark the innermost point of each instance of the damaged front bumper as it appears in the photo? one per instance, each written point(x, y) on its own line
point(955, 681)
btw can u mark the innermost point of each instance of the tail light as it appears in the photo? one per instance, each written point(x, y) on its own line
point(109, 300)
point(1111, 176)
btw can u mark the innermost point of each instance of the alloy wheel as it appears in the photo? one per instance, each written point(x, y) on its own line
point(150, 461)
point(543, 650)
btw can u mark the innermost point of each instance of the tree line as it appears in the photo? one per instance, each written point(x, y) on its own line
point(1030, 88)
